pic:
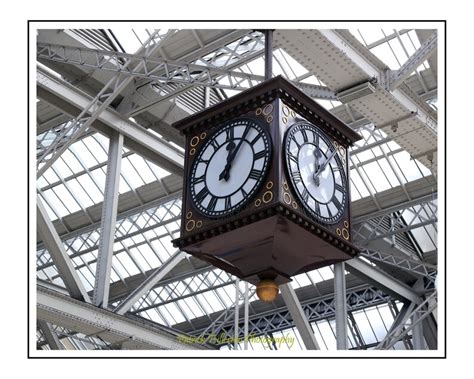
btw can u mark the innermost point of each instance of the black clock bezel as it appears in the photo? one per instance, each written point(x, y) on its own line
point(286, 141)
point(265, 133)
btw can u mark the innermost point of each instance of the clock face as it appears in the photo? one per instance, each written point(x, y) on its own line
point(230, 167)
point(316, 172)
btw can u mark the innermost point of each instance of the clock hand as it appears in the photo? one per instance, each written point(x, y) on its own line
point(323, 167)
point(230, 157)
point(225, 172)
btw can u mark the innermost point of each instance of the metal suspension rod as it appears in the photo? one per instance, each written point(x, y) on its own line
point(268, 53)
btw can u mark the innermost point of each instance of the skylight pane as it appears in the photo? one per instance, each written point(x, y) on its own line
point(143, 169)
point(52, 199)
point(90, 188)
point(72, 162)
point(66, 198)
point(84, 155)
point(130, 174)
point(79, 193)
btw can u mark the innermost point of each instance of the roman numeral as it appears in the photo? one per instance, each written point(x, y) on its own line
point(212, 204)
point(340, 188)
point(336, 202)
point(329, 211)
point(257, 137)
point(202, 195)
point(229, 134)
point(259, 155)
point(293, 158)
point(305, 195)
point(198, 180)
point(305, 136)
point(244, 194)
point(255, 174)
point(296, 175)
point(228, 203)
point(297, 144)
point(247, 128)
point(215, 144)
point(317, 208)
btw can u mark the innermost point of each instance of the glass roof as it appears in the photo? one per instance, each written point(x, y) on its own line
point(75, 184)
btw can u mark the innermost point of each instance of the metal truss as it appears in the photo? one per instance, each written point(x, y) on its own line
point(131, 333)
point(417, 268)
point(388, 222)
point(72, 130)
point(416, 315)
point(427, 48)
point(128, 225)
point(204, 73)
point(217, 326)
point(314, 310)
point(177, 290)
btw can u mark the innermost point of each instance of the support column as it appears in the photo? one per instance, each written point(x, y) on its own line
point(236, 314)
point(246, 316)
point(299, 318)
point(61, 260)
point(417, 334)
point(149, 283)
point(50, 336)
point(340, 306)
point(109, 218)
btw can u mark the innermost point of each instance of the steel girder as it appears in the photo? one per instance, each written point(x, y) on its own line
point(72, 130)
point(342, 62)
point(165, 71)
point(149, 283)
point(426, 50)
point(416, 314)
point(392, 221)
point(131, 333)
point(298, 316)
point(108, 222)
point(71, 101)
point(314, 310)
point(58, 254)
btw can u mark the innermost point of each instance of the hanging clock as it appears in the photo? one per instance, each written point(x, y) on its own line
point(230, 167)
point(316, 172)
point(266, 185)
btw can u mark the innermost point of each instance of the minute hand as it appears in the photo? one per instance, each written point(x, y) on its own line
point(225, 172)
point(323, 166)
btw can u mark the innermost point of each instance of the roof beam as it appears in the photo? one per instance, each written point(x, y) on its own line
point(60, 258)
point(381, 280)
point(426, 50)
point(149, 283)
point(165, 71)
point(50, 336)
point(108, 222)
point(71, 101)
point(299, 317)
point(135, 333)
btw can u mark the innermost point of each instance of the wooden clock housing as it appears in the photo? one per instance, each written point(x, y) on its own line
point(272, 236)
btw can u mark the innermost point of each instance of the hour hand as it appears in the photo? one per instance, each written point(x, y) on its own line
point(225, 172)
point(317, 155)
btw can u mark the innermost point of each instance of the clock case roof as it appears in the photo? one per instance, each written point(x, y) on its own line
point(277, 87)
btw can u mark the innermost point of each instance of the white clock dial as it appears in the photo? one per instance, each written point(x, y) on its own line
point(316, 172)
point(230, 167)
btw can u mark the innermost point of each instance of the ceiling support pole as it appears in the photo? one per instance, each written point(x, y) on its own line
point(109, 219)
point(340, 306)
point(299, 317)
point(236, 314)
point(268, 54)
